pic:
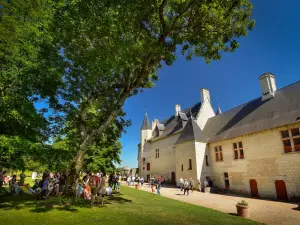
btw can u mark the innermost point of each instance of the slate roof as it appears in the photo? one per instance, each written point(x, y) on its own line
point(253, 116)
point(172, 124)
point(183, 116)
point(146, 124)
point(192, 132)
point(257, 115)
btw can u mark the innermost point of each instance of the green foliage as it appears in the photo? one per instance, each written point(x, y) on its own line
point(243, 203)
point(30, 67)
point(18, 153)
point(30, 72)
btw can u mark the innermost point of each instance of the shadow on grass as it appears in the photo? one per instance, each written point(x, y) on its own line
point(69, 205)
point(17, 202)
point(233, 214)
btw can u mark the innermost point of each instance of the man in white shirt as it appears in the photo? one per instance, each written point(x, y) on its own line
point(205, 183)
point(181, 183)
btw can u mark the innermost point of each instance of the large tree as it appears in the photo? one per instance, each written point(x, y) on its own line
point(115, 47)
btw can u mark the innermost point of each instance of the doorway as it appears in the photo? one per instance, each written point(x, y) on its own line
point(281, 190)
point(254, 189)
point(148, 177)
point(173, 178)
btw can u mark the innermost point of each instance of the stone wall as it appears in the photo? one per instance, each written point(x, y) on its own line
point(166, 163)
point(265, 161)
point(203, 170)
point(184, 152)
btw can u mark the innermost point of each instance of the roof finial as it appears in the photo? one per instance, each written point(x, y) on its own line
point(145, 109)
point(219, 111)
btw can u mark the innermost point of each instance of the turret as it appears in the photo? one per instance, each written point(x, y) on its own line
point(146, 134)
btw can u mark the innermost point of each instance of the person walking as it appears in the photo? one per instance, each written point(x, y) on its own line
point(199, 185)
point(94, 184)
point(102, 188)
point(192, 184)
point(142, 181)
point(181, 182)
point(158, 188)
point(186, 187)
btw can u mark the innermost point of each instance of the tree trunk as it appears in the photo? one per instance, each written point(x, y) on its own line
point(77, 163)
point(75, 168)
point(74, 174)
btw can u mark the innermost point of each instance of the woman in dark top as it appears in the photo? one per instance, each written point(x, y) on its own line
point(62, 183)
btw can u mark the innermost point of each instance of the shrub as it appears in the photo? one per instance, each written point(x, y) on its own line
point(242, 203)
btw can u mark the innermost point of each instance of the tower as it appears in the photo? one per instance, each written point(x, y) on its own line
point(146, 134)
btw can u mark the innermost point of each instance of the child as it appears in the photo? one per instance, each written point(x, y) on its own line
point(152, 186)
point(79, 189)
point(158, 188)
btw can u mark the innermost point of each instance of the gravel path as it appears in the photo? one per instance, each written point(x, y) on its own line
point(265, 211)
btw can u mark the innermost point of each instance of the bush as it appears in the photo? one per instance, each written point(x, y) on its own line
point(242, 203)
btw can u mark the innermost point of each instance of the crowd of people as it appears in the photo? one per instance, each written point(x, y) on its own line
point(91, 187)
point(187, 185)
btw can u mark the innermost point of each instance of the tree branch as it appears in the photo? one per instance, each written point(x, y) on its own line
point(162, 20)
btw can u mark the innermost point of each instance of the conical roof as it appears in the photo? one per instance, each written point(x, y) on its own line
point(146, 124)
point(192, 132)
point(219, 111)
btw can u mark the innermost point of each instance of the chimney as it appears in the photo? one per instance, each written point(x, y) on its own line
point(267, 86)
point(177, 109)
point(154, 122)
point(205, 95)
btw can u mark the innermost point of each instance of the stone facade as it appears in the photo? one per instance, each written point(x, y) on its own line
point(264, 161)
point(165, 163)
point(262, 168)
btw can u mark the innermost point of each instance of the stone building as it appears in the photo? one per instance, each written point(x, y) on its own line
point(253, 148)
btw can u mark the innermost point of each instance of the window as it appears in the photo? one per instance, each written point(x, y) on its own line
point(219, 153)
point(157, 153)
point(190, 164)
point(291, 140)
point(226, 180)
point(148, 166)
point(182, 167)
point(143, 168)
point(238, 150)
point(144, 159)
point(206, 160)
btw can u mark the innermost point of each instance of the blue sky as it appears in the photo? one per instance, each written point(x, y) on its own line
point(273, 46)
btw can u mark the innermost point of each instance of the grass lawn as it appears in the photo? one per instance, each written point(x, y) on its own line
point(131, 206)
